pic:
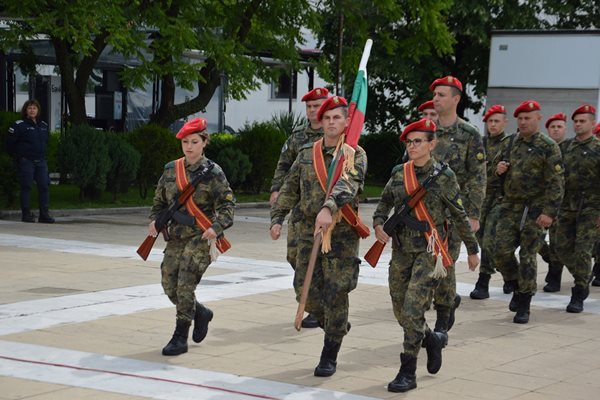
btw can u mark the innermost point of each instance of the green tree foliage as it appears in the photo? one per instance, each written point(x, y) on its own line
point(262, 142)
point(8, 170)
point(157, 146)
point(83, 154)
point(384, 152)
point(124, 164)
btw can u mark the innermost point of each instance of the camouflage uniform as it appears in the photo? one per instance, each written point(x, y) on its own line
point(459, 145)
point(186, 254)
point(300, 136)
point(336, 273)
point(493, 193)
point(534, 180)
point(576, 229)
point(411, 287)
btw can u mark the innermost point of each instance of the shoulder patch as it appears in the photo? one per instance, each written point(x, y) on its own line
point(229, 197)
point(558, 168)
point(480, 157)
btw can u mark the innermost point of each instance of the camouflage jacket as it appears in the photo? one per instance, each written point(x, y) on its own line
point(213, 196)
point(302, 188)
point(299, 137)
point(460, 145)
point(535, 176)
point(493, 152)
point(582, 174)
point(442, 198)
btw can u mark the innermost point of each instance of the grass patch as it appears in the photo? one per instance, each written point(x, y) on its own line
point(66, 196)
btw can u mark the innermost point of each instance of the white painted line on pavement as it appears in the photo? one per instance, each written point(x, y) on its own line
point(143, 378)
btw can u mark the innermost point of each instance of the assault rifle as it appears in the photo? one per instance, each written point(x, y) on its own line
point(163, 218)
point(402, 216)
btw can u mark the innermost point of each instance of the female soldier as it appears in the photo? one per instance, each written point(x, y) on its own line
point(194, 232)
point(413, 273)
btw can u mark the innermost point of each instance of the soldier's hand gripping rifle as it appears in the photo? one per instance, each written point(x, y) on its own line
point(163, 218)
point(402, 216)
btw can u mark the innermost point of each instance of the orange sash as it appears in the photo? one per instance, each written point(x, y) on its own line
point(411, 184)
point(201, 219)
point(348, 213)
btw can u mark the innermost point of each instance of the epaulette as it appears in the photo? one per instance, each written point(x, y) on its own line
point(217, 170)
point(306, 146)
point(44, 122)
point(447, 170)
point(467, 127)
point(546, 139)
point(170, 165)
point(506, 137)
point(397, 168)
point(19, 121)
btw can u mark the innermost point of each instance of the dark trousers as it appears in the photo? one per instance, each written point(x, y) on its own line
point(30, 170)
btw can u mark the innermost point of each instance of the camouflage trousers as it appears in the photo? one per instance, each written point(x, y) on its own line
point(292, 243)
point(335, 275)
point(411, 290)
point(509, 236)
point(574, 237)
point(183, 265)
point(487, 220)
point(488, 242)
point(446, 290)
point(548, 250)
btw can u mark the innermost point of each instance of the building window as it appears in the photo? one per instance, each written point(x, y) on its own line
point(280, 88)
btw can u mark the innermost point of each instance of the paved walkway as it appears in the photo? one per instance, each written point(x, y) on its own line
point(82, 317)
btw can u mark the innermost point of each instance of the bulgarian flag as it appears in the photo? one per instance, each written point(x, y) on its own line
point(343, 160)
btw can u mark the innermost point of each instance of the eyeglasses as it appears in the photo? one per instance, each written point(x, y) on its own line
point(416, 142)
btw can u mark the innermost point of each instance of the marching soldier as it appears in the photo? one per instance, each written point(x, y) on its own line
point(533, 189)
point(309, 133)
point(578, 223)
point(495, 123)
point(193, 238)
point(459, 145)
point(336, 272)
point(427, 111)
point(556, 126)
point(412, 276)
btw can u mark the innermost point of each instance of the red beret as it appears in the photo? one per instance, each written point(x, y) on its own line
point(584, 109)
point(426, 105)
point(495, 109)
point(597, 129)
point(422, 125)
point(330, 104)
point(527, 106)
point(446, 81)
point(196, 125)
point(316, 94)
point(556, 117)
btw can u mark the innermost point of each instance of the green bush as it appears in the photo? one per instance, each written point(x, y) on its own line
point(124, 164)
point(9, 183)
point(262, 142)
point(83, 154)
point(157, 146)
point(219, 142)
point(384, 151)
point(286, 122)
point(235, 164)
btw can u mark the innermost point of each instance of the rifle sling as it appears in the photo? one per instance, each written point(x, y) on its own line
point(201, 219)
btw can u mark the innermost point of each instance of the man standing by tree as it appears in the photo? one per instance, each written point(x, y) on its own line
point(495, 124)
point(533, 191)
point(459, 145)
point(309, 133)
point(335, 272)
point(578, 223)
point(557, 130)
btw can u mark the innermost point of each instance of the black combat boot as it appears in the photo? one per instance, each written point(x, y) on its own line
point(509, 286)
point(434, 343)
point(523, 303)
point(596, 273)
point(406, 378)
point(553, 278)
point(328, 362)
point(452, 317)
point(178, 344)
point(482, 287)
point(201, 319)
point(578, 295)
point(27, 215)
point(45, 216)
point(310, 321)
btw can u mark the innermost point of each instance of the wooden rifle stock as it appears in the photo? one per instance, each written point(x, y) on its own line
point(372, 256)
point(146, 247)
point(307, 280)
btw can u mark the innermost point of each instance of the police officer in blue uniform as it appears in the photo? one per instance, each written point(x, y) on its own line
point(27, 142)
